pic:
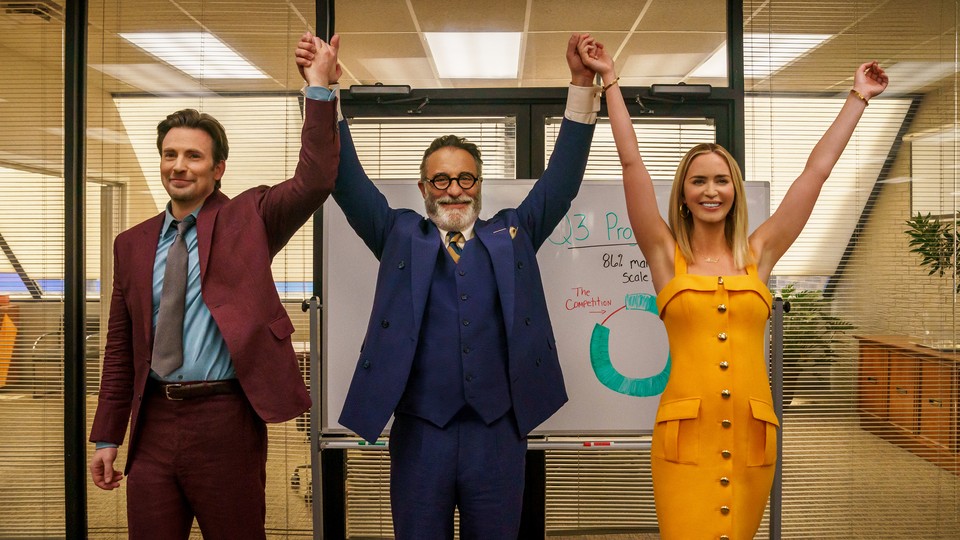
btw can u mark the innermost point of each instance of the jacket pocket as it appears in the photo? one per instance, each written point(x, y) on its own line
point(762, 437)
point(678, 423)
point(282, 327)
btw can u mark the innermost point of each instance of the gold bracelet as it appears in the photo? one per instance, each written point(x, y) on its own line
point(607, 87)
point(861, 96)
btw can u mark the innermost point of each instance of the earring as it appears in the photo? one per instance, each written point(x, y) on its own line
point(684, 211)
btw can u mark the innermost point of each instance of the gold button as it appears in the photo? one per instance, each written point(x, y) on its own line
point(722, 336)
point(725, 454)
point(720, 280)
point(724, 537)
point(724, 364)
point(725, 423)
point(724, 510)
point(724, 481)
point(722, 308)
point(725, 394)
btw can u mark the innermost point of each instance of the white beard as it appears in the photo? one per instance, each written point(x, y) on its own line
point(449, 219)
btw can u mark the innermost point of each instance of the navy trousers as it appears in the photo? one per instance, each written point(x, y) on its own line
point(476, 468)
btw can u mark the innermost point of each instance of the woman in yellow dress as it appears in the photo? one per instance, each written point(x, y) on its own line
point(714, 450)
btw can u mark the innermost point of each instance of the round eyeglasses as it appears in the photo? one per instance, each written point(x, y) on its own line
point(442, 181)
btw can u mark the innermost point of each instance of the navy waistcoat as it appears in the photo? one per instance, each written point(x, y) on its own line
point(461, 357)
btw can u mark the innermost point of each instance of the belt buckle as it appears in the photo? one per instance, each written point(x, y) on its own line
point(166, 391)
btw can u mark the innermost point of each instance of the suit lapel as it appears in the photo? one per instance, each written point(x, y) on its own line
point(496, 238)
point(142, 255)
point(205, 221)
point(423, 259)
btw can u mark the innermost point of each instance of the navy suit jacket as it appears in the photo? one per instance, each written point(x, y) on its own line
point(237, 240)
point(406, 244)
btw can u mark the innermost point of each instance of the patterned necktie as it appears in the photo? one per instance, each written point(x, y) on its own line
point(168, 337)
point(453, 245)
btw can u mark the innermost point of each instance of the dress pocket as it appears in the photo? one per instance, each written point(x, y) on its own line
point(763, 434)
point(678, 424)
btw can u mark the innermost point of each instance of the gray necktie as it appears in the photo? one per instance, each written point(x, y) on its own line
point(168, 337)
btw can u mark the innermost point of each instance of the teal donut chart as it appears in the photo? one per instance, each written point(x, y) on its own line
point(603, 367)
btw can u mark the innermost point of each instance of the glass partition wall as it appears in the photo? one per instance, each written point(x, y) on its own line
point(870, 358)
point(233, 60)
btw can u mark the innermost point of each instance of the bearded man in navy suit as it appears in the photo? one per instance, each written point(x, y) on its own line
point(459, 347)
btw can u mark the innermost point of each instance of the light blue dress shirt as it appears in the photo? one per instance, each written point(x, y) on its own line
point(205, 354)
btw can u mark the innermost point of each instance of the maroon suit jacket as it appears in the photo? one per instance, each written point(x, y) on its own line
point(237, 240)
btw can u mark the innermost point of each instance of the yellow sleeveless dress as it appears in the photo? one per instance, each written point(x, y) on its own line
point(714, 446)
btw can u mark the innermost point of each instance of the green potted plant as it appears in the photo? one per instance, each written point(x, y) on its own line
point(810, 334)
point(936, 243)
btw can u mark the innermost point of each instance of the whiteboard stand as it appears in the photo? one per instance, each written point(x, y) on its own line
point(316, 469)
point(776, 380)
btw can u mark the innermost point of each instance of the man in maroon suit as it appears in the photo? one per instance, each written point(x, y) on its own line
point(198, 445)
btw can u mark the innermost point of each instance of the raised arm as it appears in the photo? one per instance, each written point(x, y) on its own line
point(550, 198)
point(651, 231)
point(772, 239)
point(286, 206)
point(366, 209)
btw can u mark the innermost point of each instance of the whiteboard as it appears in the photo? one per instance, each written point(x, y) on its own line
point(598, 292)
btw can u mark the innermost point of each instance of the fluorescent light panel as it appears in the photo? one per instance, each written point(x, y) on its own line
point(198, 54)
point(475, 55)
point(764, 54)
point(155, 78)
point(907, 77)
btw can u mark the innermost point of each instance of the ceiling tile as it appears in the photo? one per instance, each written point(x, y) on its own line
point(470, 15)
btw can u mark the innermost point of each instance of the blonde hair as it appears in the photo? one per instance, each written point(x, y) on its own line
point(736, 226)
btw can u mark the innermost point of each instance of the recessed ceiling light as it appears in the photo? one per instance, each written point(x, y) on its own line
point(763, 54)
point(475, 55)
point(198, 54)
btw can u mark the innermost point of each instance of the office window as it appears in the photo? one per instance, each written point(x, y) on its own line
point(868, 394)
point(31, 275)
point(392, 148)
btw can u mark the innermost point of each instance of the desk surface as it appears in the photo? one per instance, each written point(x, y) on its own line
point(913, 346)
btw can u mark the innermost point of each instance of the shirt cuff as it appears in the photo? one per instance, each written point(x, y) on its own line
point(583, 104)
point(321, 93)
point(105, 445)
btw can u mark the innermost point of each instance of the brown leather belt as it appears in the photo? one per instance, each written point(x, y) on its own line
point(192, 390)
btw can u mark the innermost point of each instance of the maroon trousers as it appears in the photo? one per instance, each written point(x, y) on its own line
point(203, 458)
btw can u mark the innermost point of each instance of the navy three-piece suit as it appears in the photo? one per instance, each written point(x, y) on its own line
point(463, 353)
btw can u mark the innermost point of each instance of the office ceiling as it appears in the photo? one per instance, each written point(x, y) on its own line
point(654, 41)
